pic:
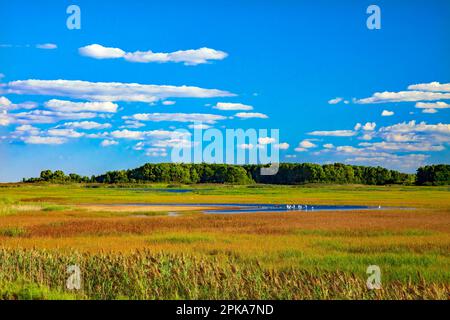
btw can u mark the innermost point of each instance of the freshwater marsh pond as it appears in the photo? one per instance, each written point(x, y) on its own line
point(225, 208)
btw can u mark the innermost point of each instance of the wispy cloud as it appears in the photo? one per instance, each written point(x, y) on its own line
point(108, 91)
point(176, 117)
point(432, 91)
point(199, 126)
point(6, 104)
point(335, 100)
point(394, 161)
point(432, 107)
point(246, 146)
point(139, 135)
point(156, 152)
point(248, 115)
point(432, 86)
point(414, 126)
point(232, 106)
point(266, 140)
point(108, 143)
point(5, 119)
point(45, 116)
point(404, 96)
point(401, 146)
point(69, 106)
point(67, 133)
point(282, 146)
point(86, 125)
point(44, 140)
point(47, 46)
point(333, 133)
point(132, 124)
point(27, 129)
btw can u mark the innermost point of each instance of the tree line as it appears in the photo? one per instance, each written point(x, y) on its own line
point(437, 175)
point(288, 173)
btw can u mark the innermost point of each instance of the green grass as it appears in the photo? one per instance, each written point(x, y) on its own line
point(180, 239)
point(26, 290)
point(12, 232)
point(6, 203)
point(364, 233)
point(413, 196)
point(53, 207)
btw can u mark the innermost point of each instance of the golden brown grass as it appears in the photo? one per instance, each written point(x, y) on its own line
point(73, 223)
point(412, 247)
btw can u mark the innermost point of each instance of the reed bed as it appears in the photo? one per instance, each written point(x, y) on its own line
point(148, 275)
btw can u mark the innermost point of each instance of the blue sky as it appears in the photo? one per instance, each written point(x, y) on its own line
point(311, 69)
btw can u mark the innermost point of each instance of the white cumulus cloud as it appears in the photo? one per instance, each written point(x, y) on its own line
point(429, 110)
point(176, 117)
point(432, 105)
point(45, 116)
point(70, 106)
point(335, 100)
point(190, 57)
point(108, 143)
point(333, 133)
point(387, 113)
point(44, 140)
point(247, 146)
point(6, 104)
point(413, 126)
point(97, 51)
point(232, 106)
point(266, 140)
point(248, 115)
point(307, 144)
point(432, 86)
point(404, 96)
point(199, 126)
point(282, 146)
point(67, 133)
point(27, 129)
point(87, 125)
point(369, 126)
point(108, 91)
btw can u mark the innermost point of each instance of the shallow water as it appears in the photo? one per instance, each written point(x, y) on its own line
point(236, 208)
point(170, 190)
point(245, 208)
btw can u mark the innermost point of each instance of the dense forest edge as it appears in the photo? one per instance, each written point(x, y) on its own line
point(288, 173)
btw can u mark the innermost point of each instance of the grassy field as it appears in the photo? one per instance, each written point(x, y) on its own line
point(293, 255)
